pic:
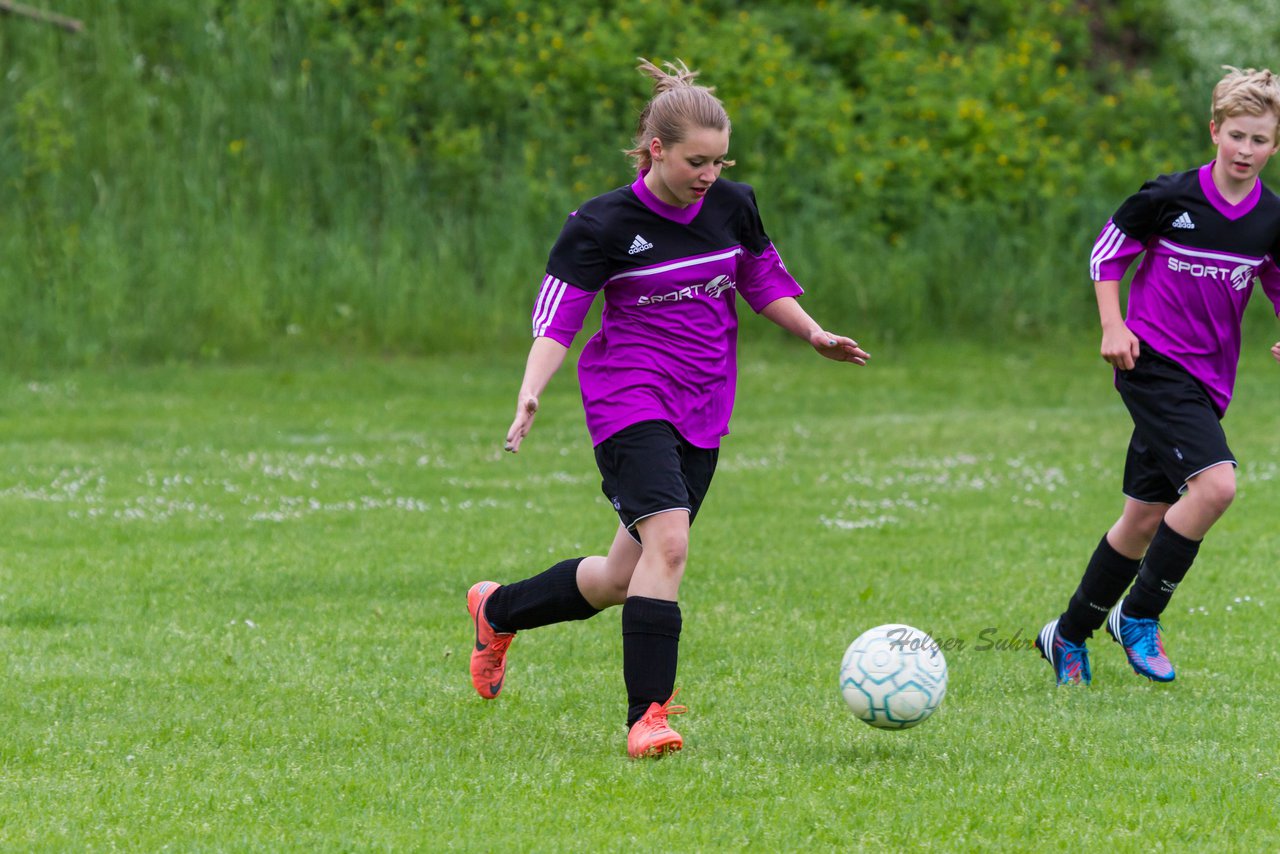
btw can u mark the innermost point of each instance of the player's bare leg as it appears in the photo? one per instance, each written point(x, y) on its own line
point(1135, 621)
point(604, 580)
point(575, 589)
point(1111, 569)
point(1132, 532)
point(666, 549)
point(651, 625)
point(1208, 496)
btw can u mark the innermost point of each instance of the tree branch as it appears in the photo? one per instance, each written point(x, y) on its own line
point(22, 10)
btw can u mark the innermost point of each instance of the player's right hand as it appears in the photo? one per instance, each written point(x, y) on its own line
point(526, 409)
point(1119, 346)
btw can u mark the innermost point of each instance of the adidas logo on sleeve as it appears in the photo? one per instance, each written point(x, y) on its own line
point(1184, 221)
point(639, 245)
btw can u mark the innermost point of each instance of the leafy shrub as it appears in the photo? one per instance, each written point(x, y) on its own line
point(213, 177)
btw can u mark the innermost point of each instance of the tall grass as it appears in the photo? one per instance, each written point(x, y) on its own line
point(957, 275)
point(187, 182)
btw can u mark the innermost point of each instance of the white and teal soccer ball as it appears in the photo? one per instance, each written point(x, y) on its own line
point(893, 676)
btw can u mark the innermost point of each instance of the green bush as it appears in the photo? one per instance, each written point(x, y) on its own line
point(876, 114)
point(221, 178)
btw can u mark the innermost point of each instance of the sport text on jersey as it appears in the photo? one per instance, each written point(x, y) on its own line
point(1236, 271)
point(1238, 277)
point(712, 289)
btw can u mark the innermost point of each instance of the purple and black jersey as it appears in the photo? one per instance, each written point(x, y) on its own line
point(1203, 256)
point(667, 345)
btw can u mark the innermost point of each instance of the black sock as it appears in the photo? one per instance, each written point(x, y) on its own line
point(549, 597)
point(1164, 567)
point(650, 648)
point(1105, 579)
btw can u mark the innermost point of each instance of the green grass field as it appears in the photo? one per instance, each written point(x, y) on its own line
point(232, 614)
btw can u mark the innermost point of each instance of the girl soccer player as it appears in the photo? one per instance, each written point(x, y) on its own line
point(670, 253)
point(1208, 235)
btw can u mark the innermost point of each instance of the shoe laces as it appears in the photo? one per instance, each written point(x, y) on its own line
point(499, 644)
point(659, 715)
point(1075, 659)
point(1143, 636)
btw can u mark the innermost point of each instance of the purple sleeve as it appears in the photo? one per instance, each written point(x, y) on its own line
point(1113, 252)
point(763, 278)
point(560, 310)
point(1269, 274)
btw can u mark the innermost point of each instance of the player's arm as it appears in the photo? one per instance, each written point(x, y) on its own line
point(1270, 276)
point(1119, 345)
point(787, 313)
point(558, 314)
point(770, 290)
point(545, 358)
point(1119, 244)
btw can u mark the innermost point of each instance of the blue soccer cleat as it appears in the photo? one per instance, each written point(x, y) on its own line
point(1142, 643)
point(1070, 661)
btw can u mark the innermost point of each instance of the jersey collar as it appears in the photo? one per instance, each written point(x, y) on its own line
point(1224, 207)
point(684, 215)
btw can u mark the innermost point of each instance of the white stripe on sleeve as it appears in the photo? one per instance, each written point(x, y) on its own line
point(1109, 245)
point(548, 300)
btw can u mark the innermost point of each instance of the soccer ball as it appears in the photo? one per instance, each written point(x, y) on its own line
point(893, 676)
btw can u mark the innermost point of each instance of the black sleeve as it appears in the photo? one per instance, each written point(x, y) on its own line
point(576, 257)
point(1139, 215)
point(750, 228)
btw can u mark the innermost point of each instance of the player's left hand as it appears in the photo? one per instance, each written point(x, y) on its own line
point(839, 348)
point(526, 409)
point(1275, 350)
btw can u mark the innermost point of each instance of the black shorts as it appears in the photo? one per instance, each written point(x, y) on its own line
point(1176, 431)
point(650, 468)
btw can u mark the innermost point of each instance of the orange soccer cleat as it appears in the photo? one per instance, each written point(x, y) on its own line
point(489, 657)
point(651, 736)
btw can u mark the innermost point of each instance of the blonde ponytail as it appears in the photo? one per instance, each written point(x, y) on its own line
point(678, 105)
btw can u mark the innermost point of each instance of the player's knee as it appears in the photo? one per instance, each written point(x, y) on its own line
point(666, 542)
point(1221, 496)
point(1214, 489)
point(1146, 524)
point(617, 594)
point(1139, 525)
point(672, 555)
point(612, 589)
point(604, 581)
